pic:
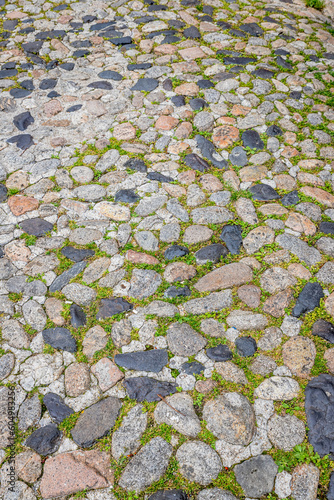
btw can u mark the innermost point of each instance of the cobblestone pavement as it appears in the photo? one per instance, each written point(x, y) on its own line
point(166, 244)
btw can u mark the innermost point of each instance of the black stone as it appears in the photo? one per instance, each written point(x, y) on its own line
point(169, 495)
point(36, 226)
point(156, 176)
point(274, 131)
point(175, 251)
point(89, 18)
point(100, 85)
point(173, 292)
point(3, 193)
point(77, 254)
point(145, 19)
point(326, 227)
point(192, 368)
point(149, 361)
point(18, 93)
point(74, 108)
point(60, 338)
point(242, 60)
point(196, 162)
point(231, 236)
point(224, 25)
point(268, 19)
point(308, 299)
point(290, 198)
point(56, 407)
point(101, 26)
point(135, 164)
point(192, 32)
point(22, 141)
point(110, 75)
point(283, 63)
point(147, 389)
point(205, 84)
point(211, 253)
point(45, 35)
point(67, 66)
point(79, 44)
point(10, 24)
point(252, 29)
point(235, 32)
point(238, 157)
point(32, 47)
point(7, 73)
point(45, 440)
point(246, 346)
point(156, 8)
point(126, 196)
point(295, 94)
point(78, 317)
point(281, 52)
point(222, 76)
point(208, 150)
point(236, 69)
point(328, 55)
point(263, 192)
point(197, 104)
point(146, 84)
point(219, 353)
point(80, 53)
point(140, 66)
point(9, 65)
point(207, 9)
point(178, 100)
point(330, 493)
point(324, 329)
point(124, 40)
point(251, 139)
point(174, 23)
point(167, 85)
point(64, 278)
point(263, 73)
point(53, 94)
point(23, 120)
point(61, 7)
point(206, 18)
point(319, 408)
point(27, 84)
point(111, 307)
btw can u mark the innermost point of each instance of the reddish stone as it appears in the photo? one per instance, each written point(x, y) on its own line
point(184, 130)
point(192, 53)
point(124, 132)
point(239, 110)
point(320, 195)
point(205, 386)
point(225, 136)
point(140, 258)
point(289, 152)
point(166, 122)
point(187, 177)
point(211, 183)
point(19, 205)
point(107, 373)
point(301, 223)
point(276, 304)
point(52, 107)
point(68, 473)
point(188, 89)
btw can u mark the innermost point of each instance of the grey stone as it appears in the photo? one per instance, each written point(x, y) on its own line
point(183, 340)
point(326, 245)
point(170, 232)
point(246, 320)
point(176, 209)
point(34, 314)
point(230, 417)
point(256, 476)
point(169, 495)
point(96, 422)
point(144, 283)
point(66, 276)
point(95, 270)
point(278, 389)
point(121, 332)
point(80, 294)
point(215, 494)
point(147, 241)
point(307, 254)
point(29, 413)
point(286, 432)
point(311, 210)
point(198, 462)
point(263, 365)
point(147, 466)
point(215, 301)
point(211, 215)
point(212, 327)
point(150, 205)
point(91, 192)
point(126, 439)
point(14, 334)
point(186, 422)
point(238, 157)
point(161, 309)
point(304, 482)
point(6, 365)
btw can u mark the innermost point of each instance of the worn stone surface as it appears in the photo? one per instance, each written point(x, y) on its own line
point(198, 462)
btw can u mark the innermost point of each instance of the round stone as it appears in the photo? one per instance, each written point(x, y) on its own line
point(299, 355)
point(286, 432)
point(198, 462)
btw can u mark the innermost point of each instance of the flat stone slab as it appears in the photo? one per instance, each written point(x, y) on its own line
point(56, 407)
point(45, 440)
point(148, 361)
point(225, 277)
point(148, 389)
point(60, 338)
point(111, 307)
point(256, 476)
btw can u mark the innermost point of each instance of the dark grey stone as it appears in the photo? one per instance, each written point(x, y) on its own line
point(263, 73)
point(219, 353)
point(246, 346)
point(231, 236)
point(147, 389)
point(175, 251)
point(156, 176)
point(124, 40)
point(60, 338)
point(252, 29)
point(243, 61)
point(36, 226)
point(135, 164)
point(139, 66)
point(263, 192)
point(290, 198)
point(211, 253)
point(146, 84)
point(56, 407)
point(77, 254)
point(256, 475)
point(208, 150)
point(178, 101)
point(110, 75)
point(64, 278)
point(197, 104)
point(205, 84)
point(324, 329)
point(274, 131)
point(252, 140)
point(74, 108)
point(319, 408)
point(96, 421)
point(193, 368)
point(3, 193)
point(308, 299)
point(192, 32)
point(45, 440)
point(173, 292)
point(238, 157)
point(103, 85)
point(148, 361)
point(48, 83)
point(111, 307)
point(22, 141)
point(126, 196)
point(283, 63)
point(170, 495)
point(326, 227)
point(23, 120)
point(78, 317)
point(196, 162)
